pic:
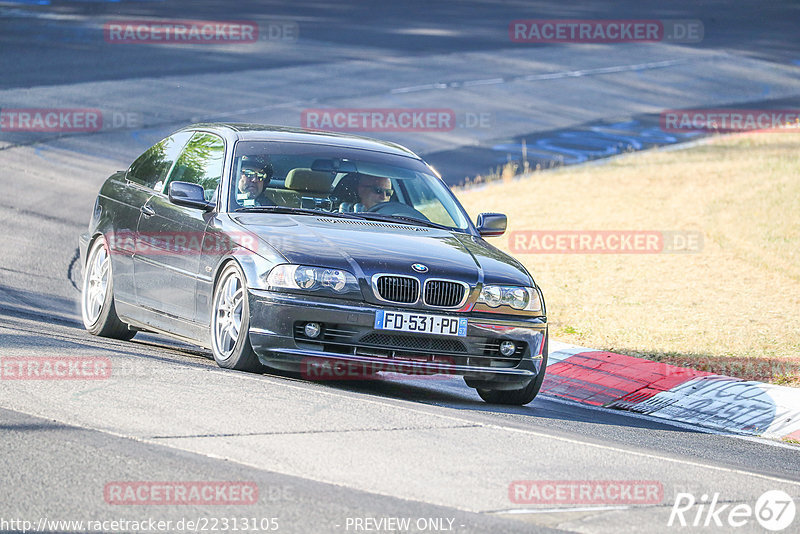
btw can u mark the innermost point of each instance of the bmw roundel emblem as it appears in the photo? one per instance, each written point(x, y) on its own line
point(419, 268)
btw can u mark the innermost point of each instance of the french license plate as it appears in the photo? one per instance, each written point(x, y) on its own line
point(421, 323)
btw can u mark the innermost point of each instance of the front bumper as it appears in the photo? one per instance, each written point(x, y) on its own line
point(276, 334)
point(83, 247)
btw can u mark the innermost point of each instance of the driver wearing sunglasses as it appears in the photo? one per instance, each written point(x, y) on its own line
point(374, 190)
point(253, 178)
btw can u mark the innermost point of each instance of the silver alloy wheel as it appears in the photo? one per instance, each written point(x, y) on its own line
point(95, 284)
point(228, 305)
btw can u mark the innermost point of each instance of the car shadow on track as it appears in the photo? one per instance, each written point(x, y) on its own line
point(37, 306)
point(455, 394)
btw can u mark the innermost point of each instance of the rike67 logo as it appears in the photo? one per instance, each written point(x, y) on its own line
point(774, 510)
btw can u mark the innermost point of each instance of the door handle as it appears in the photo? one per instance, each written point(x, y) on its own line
point(147, 211)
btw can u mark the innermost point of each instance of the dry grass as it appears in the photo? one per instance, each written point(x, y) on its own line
point(733, 308)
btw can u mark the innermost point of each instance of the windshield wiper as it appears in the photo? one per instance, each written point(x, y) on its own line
point(300, 211)
point(400, 219)
point(346, 215)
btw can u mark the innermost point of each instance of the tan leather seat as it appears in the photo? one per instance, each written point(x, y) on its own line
point(308, 181)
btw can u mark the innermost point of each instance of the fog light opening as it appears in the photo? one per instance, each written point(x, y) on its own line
point(507, 348)
point(312, 330)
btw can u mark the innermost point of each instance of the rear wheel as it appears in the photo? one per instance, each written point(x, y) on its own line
point(517, 397)
point(230, 323)
point(97, 295)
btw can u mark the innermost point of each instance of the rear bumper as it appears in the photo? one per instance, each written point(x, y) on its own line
point(276, 334)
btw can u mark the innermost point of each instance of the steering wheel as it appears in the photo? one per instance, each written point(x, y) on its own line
point(397, 208)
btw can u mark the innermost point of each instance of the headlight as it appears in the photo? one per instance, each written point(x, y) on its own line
point(336, 280)
point(307, 278)
point(519, 298)
point(304, 277)
point(492, 296)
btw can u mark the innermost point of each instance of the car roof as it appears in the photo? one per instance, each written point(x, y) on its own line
point(267, 132)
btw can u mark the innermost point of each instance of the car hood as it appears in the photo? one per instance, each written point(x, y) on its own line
point(366, 248)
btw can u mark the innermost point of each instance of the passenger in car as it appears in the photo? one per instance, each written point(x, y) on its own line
point(255, 173)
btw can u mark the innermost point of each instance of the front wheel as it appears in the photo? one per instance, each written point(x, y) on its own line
point(97, 296)
point(517, 397)
point(230, 323)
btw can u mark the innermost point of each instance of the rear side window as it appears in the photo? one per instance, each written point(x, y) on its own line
point(201, 162)
point(150, 169)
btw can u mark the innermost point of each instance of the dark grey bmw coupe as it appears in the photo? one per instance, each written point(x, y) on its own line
point(302, 250)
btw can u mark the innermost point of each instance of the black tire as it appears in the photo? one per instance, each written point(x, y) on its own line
point(98, 312)
point(232, 350)
point(517, 397)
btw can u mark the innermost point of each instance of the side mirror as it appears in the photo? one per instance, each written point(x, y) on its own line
point(492, 224)
point(189, 195)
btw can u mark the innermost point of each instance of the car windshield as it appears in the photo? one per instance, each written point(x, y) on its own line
point(308, 178)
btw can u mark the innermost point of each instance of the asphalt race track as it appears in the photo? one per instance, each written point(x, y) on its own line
point(345, 456)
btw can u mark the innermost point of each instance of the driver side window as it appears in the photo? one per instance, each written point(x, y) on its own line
point(201, 162)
